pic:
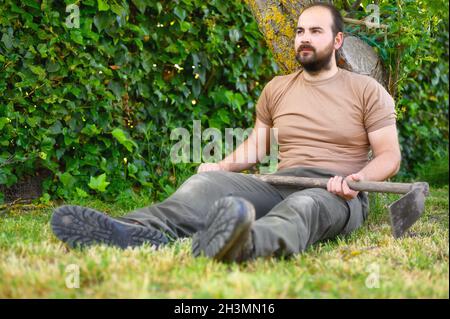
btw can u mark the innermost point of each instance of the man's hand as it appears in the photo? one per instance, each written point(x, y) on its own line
point(208, 167)
point(338, 185)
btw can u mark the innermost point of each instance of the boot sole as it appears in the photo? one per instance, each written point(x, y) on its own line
point(229, 226)
point(80, 226)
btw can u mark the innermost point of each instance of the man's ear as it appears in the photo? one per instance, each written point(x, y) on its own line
point(338, 40)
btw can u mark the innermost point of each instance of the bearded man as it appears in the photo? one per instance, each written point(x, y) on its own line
point(328, 119)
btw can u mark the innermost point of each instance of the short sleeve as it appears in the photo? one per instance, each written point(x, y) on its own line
point(379, 107)
point(263, 112)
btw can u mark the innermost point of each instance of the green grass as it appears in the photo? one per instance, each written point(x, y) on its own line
point(33, 262)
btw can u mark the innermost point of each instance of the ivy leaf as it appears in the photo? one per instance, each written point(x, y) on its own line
point(180, 13)
point(116, 88)
point(132, 169)
point(52, 67)
point(45, 198)
point(7, 41)
point(98, 183)
point(76, 37)
point(32, 3)
point(185, 26)
point(159, 7)
point(123, 139)
point(81, 193)
point(3, 121)
point(223, 115)
point(38, 71)
point(119, 10)
point(140, 4)
point(67, 180)
point(91, 130)
point(102, 5)
point(103, 21)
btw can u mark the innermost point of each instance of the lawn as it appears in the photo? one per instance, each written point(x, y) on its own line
point(369, 263)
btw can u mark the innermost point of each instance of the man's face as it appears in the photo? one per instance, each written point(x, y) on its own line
point(314, 41)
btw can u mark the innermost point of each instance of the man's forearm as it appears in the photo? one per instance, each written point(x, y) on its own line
point(382, 167)
point(239, 160)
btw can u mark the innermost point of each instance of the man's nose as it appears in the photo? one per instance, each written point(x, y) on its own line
point(305, 38)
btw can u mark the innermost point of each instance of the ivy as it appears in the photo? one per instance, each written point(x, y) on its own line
point(415, 52)
point(95, 105)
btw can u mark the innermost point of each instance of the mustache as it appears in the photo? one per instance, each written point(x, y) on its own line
point(305, 46)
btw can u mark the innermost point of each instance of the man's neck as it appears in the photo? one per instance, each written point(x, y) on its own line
point(322, 74)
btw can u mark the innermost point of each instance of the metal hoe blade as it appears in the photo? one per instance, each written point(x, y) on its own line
point(407, 210)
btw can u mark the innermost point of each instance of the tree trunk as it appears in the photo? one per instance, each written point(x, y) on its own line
point(277, 20)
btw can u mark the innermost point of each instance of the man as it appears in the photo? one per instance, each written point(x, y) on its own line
point(327, 120)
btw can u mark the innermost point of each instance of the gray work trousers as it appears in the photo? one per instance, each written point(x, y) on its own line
point(288, 220)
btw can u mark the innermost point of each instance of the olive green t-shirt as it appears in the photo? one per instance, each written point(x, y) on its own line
point(325, 123)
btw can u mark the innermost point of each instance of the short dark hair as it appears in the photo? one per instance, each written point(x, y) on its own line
point(338, 21)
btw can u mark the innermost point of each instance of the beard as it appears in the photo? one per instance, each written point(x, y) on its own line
point(314, 62)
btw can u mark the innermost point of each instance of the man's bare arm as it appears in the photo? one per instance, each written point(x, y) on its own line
point(386, 151)
point(252, 148)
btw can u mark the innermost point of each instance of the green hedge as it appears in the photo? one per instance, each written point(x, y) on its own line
point(95, 105)
point(415, 51)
